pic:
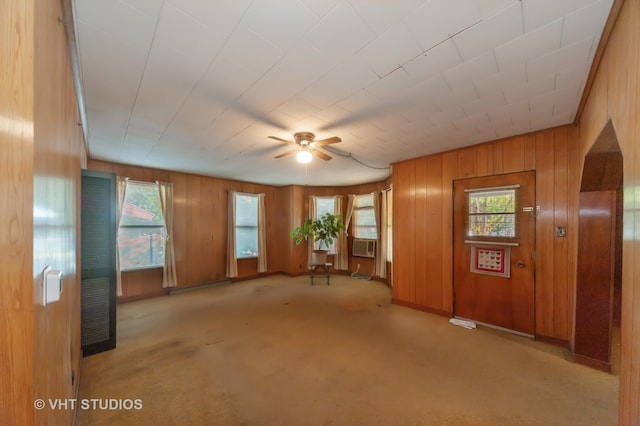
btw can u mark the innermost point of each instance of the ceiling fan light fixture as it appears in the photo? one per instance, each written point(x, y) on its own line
point(304, 156)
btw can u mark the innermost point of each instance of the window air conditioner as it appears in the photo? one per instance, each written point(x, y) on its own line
point(364, 248)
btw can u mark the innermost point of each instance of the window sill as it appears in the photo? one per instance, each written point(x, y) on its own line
point(142, 268)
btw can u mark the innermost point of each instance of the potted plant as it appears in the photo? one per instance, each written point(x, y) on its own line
point(323, 230)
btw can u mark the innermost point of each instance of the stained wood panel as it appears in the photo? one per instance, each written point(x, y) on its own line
point(40, 157)
point(614, 96)
point(545, 187)
point(16, 173)
point(434, 237)
point(422, 282)
point(537, 151)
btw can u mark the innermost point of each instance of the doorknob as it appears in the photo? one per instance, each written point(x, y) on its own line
point(520, 264)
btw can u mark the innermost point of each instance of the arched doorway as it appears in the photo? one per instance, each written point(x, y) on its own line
point(599, 272)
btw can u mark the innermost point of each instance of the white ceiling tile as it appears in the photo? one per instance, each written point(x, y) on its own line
point(490, 33)
point(569, 94)
point(488, 8)
point(225, 81)
point(432, 88)
point(511, 109)
point(540, 12)
point(223, 16)
point(392, 85)
point(263, 53)
point(320, 7)
point(438, 20)
point(177, 30)
point(297, 108)
point(434, 61)
point(542, 84)
point(447, 116)
point(566, 57)
point(568, 76)
point(149, 7)
point(483, 104)
point(538, 42)
point(349, 77)
point(341, 32)
point(198, 111)
point(472, 121)
point(381, 15)
point(498, 82)
point(134, 27)
point(457, 96)
point(585, 22)
point(288, 21)
point(470, 71)
point(390, 50)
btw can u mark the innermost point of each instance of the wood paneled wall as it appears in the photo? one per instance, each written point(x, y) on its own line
point(200, 227)
point(41, 150)
point(615, 96)
point(423, 228)
point(16, 238)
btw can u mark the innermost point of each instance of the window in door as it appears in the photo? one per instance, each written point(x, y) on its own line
point(492, 214)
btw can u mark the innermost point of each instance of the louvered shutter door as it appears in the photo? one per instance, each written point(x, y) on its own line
point(98, 245)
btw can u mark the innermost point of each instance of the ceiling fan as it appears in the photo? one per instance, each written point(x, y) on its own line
point(306, 146)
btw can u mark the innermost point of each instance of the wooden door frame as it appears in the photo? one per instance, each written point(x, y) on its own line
point(525, 328)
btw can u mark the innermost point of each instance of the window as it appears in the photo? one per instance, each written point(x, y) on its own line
point(492, 214)
point(325, 205)
point(364, 218)
point(142, 233)
point(246, 226)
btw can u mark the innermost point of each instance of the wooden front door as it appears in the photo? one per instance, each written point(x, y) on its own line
point(494, 236)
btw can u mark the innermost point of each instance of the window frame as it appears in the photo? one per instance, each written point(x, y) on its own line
point(162, 228)
point(236, 226)
point(509, 240)
point(333, 249)
point(355, 227)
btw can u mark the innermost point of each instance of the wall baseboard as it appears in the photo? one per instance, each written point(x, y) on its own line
point(178, 290)
point(421, 308)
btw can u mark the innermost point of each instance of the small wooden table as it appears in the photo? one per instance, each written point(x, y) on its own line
point(324, 272)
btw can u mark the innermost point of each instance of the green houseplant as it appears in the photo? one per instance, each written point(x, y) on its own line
point(323, 230)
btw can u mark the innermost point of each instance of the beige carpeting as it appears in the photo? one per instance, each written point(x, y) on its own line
point(277, 351)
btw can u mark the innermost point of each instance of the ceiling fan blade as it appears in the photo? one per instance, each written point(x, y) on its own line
point(281, 140)
point(327, 141)
point(321, 154)
point(286, 153)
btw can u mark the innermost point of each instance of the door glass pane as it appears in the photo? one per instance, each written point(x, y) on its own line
point(492, 213)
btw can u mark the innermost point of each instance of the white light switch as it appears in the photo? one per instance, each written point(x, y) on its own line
point(51, 286)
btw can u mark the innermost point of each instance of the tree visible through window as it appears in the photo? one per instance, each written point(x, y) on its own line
point(364, 218)
point(246, 226)
point(325, 205)
point(142, 233)
point(492, 213)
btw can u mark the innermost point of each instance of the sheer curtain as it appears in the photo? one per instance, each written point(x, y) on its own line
point(343, 251)
point(312, 215)
point(232, 261)
point(169, 277)
point(262, 244)
point(380, 209)
point(341, 258)
point(121, 189)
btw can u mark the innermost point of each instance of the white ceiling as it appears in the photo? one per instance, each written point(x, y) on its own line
point(198, 85)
